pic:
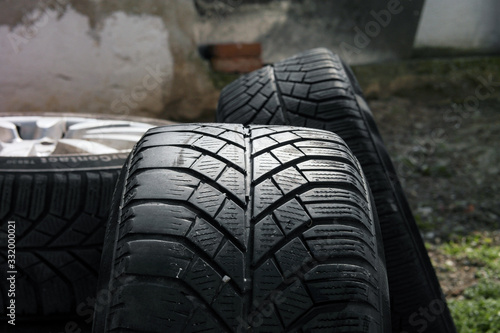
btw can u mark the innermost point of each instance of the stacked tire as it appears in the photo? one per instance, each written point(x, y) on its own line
point(231, 228)
point(317, 90)
point(57, 206)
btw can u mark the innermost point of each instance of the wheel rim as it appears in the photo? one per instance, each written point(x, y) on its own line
point(24, 136)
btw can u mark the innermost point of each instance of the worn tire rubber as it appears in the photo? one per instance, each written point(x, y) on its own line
point(315, 89)
point(59, 213)
point(225, 228)
point(59, 205)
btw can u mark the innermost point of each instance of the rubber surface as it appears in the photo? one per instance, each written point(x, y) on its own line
point(225, 228)
point(59, 206)
point(315, 89)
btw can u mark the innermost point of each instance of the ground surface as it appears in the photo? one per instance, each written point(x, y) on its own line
point(440, 120)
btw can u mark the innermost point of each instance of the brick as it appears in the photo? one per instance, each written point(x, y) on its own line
point(235, 50)
point(236, 65)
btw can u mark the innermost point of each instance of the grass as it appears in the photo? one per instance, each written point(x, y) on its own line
point(478, 308)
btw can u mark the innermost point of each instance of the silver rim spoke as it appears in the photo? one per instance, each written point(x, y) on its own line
point(24, 136)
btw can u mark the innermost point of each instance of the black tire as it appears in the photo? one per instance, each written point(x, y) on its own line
point(225, 228)
point(59, 205)
point(59, 215)
point(315, 89)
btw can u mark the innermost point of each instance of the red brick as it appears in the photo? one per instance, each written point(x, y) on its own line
point(235, 50)
point(236, 65)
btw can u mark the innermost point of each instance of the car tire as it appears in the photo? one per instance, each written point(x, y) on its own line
point(316, 89)
point(226, 228)
point(56, 206)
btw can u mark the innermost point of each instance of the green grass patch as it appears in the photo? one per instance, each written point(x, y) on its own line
point(476, 315)
point(478, 309)
point(480, 249)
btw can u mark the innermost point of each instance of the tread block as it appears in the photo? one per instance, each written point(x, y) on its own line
point(207, 198)
point(232, 180)
point(307, 109)
point(329, 166)
point(244, 115)
point(73, 193)
point(323, 249)
point(234, 155)
point(166, 156)
point(203, 279)
point(348, 321)
point(154, 257)
point(285, 87)
point(92, 193)
point(339, 231)
point(266, 235)
point(209, 143)
point(287, 153)
point(201, 321)
point(227, 304)
point(323, 176)
point(163, 219)
point(342, 291)
point(284, 137)
point(254, 88)
point(300, 90)
point(338, 211)
point(327, 94)
point(262, 143)
point(162, 184)
point(342, 272)
point(292, 257)
point(232, 218)
point(269, 89)
point(272, 105)
point(232, 260)
point(82, 227)
point(289, 180)
point(58, 196)
point(233, 137)
point(291, 104)
point(39, 193)
point(328, 194)
point(153, 139)
point(297, 77)
point(170, 313)
point(268, 320)
point(24, 184)
point(291, 215)
point(7, 182)
point(331, 85)
point(297, 301)
point(267, 279)
point(45, 233)
point(266, 193)
point(205, 236)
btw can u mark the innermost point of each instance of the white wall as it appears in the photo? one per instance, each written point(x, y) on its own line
point(95, 59)
point(462, 24)
point(60, 66)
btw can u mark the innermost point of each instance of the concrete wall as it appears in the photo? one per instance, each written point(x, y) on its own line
point(141, 57)
point(470, 26)
point(124, 57)
point(360, 31)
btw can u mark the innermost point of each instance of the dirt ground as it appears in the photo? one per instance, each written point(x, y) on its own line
point(440, 120)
